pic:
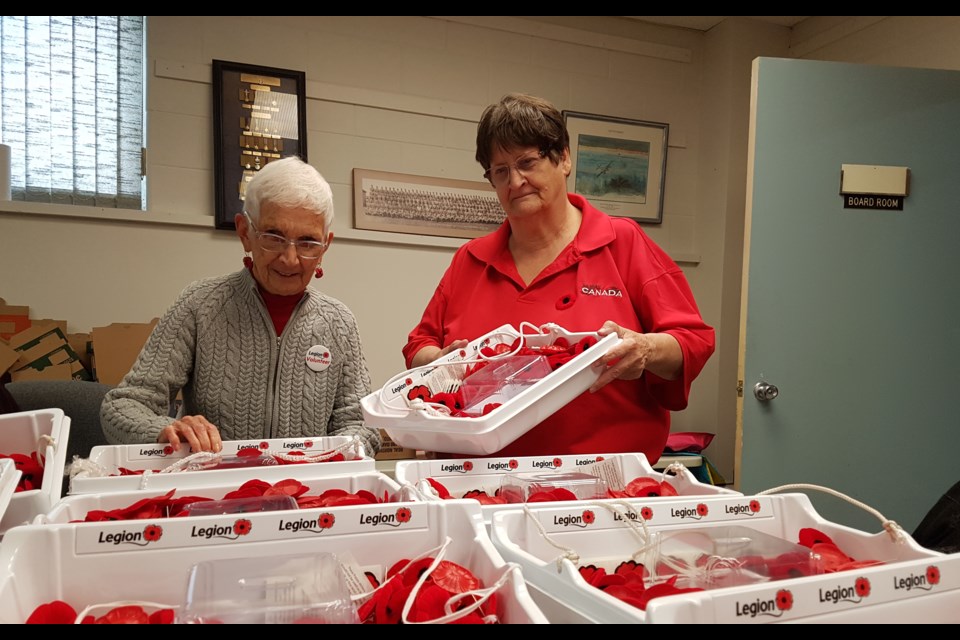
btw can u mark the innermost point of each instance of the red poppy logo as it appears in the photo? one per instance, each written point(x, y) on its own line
point(588, 517)
point(242, 527)
point(862, 586)
point(646, 513)
point(513, 464)
point(784, 600)
point(408, 381)
point(326, 520)
point(755, 506)
point(307, 444)
point(702, 510)
point(403, 515)
point(933, 575)
point(600, 458)
point(167, 450)
point(468, 466)
point(326, 354)
point(557, 462)
point(152, 533)
point(463, 353)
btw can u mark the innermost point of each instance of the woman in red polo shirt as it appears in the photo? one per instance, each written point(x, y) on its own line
point(558, 259)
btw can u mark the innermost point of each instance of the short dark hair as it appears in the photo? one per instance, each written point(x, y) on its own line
point(520, 120)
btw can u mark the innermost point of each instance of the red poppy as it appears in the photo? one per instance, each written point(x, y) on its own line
point(441, 490)
point(403, 515)
point(55, 612)
point(810, 536)
point(242, 527)
point(30, 468)
point(374, 582)
point(152, 533)
point(702, 510)
point(167, 450)
point(755, 506)
point(308, 444)
point(643, 487)
point(862, 585)
point(784, 600)
point(591, 573)
point(600, 458)
point(588, 517)
point(646, 513)
point(454, 577)
point(363, 494)
point(162, 616)
point(666, 489)
point(429, 603)
point(833, 558)
point(631, 570)
point(326, 520)
point(467, 465)
point(130, 614)
point(289, 487)
point(264, 445)
point(557, 463)
point(627, 593)
point(667, 588)
point(513, 464)
point(933, 575)
point(249, 452)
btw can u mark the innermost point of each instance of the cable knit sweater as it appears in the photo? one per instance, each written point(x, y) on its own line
point(217, 344)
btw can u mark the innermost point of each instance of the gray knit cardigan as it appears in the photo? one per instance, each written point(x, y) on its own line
point(217, 344)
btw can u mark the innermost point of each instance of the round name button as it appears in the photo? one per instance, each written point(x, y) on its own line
point(318, 357)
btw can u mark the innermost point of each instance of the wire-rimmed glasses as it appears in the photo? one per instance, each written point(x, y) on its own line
point(275, 243)
point(499, 175)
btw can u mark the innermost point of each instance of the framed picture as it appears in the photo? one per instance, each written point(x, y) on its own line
point(259, 115)
point(403, 203)
point(619, 165)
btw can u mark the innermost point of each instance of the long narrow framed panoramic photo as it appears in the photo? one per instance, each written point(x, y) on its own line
point(619, 165)
point(259, 115)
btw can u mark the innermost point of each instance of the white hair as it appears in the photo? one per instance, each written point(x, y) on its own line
point(290, 183)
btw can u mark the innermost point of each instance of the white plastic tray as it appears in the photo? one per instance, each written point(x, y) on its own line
point(915, 584)
point(492, 432)
point(485, 474)
point(23, 433)
point(157, 456)
point(98, 563)
point(9, 477)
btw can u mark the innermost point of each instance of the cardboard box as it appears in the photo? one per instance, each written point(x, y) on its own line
point(7, 357)
point(116, 348)
point(83, 347)
point(13, 319)
point(390, 450)
point(40, 348)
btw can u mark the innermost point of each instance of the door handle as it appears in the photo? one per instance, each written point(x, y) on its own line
point(764, 391)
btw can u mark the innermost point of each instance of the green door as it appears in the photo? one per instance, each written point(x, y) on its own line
point(852, 314)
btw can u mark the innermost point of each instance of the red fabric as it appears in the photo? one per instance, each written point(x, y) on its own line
point(482, 290)
point(688, 441)
point(280, 307)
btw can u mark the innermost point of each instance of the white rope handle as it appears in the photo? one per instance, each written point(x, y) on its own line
point(895, 531)
point(568, 553)
point(429, 552)
point(192, 462)
point(43, 442)
point(355, 443)
point(120, 603)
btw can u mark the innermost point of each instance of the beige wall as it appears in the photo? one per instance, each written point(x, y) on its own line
point(403, 94)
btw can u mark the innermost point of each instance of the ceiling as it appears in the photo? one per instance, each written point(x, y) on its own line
point(705, 23)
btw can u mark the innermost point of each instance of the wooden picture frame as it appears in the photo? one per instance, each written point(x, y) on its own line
point(403, 203)
point(259, 115)
point(619, 165)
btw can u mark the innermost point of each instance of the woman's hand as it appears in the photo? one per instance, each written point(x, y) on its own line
point(429, 354)
point(196, 430)
point(637, 352)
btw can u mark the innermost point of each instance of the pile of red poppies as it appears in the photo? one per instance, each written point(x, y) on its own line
point(558, 354)
point(626, 583)
point(166, 506)
point(833, 558)
point(254, 458)
point(59, 612)
point(447, 580)
point(30, 468)
point(642, 487)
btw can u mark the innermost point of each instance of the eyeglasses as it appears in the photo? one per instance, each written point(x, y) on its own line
point(500, 174)
point(307, 249)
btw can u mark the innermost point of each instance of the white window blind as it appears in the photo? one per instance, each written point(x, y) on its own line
point(71, 108)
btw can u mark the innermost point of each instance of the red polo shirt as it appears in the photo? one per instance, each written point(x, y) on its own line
point(611, 271)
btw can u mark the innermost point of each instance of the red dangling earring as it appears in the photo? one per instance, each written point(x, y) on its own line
point(248, 262)
point(318, 273)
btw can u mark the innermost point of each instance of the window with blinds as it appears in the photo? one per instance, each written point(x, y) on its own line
point(71, 108)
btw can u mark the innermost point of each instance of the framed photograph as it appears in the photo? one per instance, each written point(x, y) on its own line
point(403, 203)
point(619, 165)
point(259, 115)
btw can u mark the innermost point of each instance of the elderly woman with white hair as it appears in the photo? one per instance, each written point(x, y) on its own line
point(256, 353)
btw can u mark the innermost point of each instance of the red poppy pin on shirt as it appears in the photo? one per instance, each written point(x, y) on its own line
point(318, 357)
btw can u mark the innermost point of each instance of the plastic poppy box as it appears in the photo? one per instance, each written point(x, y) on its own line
point(512, 402)
point(39, 437)
point(305, 485)
point(9, 477)
point(141, 466)
point(145, 560)
point(598, 563)
point(482, 478)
